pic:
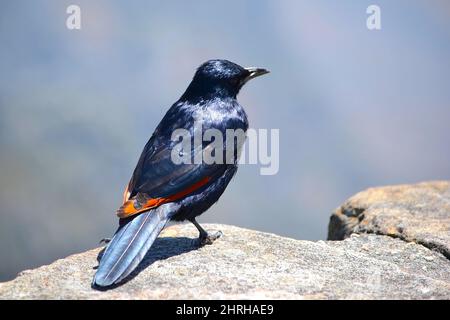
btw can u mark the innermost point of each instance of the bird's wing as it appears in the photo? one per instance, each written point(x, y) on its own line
point(157, 179)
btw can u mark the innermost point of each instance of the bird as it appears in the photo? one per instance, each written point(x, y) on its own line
point(161, 190)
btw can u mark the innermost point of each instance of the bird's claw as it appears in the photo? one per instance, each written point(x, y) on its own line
point(209, 238)
point(105, 241)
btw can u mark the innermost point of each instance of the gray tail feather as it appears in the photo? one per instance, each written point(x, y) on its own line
point(129, 246)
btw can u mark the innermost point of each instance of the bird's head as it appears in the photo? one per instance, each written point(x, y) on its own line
point(220, 78)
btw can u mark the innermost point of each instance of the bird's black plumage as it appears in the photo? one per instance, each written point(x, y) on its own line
point(211, 100)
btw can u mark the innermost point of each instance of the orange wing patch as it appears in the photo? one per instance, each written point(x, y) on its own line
point(131, 206)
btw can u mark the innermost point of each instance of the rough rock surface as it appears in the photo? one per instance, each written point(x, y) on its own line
point(251, 264)
point(418, 213)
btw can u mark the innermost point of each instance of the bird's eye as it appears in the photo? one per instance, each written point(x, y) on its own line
point(235, 81)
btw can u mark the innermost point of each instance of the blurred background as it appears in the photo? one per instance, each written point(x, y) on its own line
point(355, 108)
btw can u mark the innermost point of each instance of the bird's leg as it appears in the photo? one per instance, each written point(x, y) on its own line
point(205, 237)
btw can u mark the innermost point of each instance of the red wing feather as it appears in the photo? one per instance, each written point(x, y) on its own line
point(132, 206)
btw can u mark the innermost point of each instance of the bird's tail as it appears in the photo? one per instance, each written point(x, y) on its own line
point(129, 246)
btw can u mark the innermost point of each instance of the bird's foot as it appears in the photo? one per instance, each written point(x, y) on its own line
point(209, 238)
point(105, 241)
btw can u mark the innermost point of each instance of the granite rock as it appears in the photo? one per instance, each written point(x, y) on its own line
point(252, 265)
point(417, 213)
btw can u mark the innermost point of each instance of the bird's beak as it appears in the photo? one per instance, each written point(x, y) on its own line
point(255, 72)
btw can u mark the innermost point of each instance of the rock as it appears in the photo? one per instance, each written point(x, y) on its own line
point(417, 213)
point(252, 265)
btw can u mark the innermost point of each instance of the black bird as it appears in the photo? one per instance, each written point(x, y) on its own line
point(161, 190)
